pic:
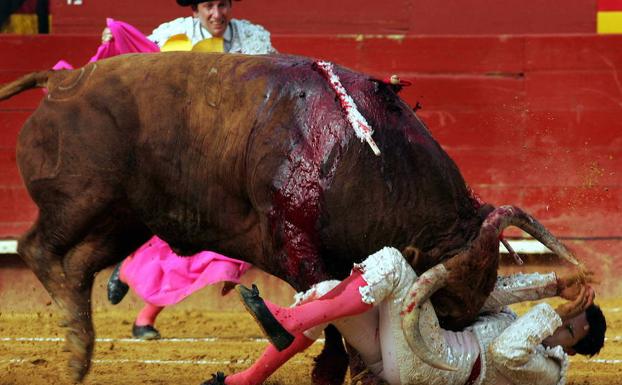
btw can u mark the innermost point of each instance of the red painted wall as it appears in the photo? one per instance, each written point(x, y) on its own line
point(534, 121)
point(413, 17)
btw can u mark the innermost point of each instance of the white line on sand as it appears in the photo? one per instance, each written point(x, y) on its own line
point(602, 361)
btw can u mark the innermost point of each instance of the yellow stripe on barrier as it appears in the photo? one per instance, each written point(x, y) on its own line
point(23, 24)
point(609, 22)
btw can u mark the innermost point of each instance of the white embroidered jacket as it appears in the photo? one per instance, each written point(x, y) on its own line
point(241, 36)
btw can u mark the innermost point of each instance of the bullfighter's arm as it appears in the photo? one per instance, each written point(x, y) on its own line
point(518, 355)
point(519, 288)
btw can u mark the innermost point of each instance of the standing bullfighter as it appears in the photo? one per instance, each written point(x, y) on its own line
point(156, 273)
point(210, 21)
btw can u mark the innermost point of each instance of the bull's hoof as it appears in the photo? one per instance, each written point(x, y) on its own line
point(217, 379)
point(80, 355)
point(117, 289)
point(78, 369)
point(272, 329)
point(146, 332)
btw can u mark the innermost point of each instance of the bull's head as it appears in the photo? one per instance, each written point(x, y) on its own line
point(453, 270)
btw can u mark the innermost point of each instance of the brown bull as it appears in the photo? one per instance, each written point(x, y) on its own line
point(248, 156)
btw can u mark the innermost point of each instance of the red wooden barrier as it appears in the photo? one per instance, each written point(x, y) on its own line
point(414, 17)
point(530, 120)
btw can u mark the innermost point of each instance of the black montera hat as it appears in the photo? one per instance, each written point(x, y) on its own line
point(185, 3)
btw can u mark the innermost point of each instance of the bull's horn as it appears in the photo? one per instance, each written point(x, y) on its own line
point(419, 293)
point(505, 216)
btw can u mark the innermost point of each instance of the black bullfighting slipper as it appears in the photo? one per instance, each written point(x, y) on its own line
point(217, 379)
point(146, 332)
point(272, 329)
point(117, 289)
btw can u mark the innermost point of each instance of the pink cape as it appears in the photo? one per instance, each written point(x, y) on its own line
point(161, 277)
point(125, 39)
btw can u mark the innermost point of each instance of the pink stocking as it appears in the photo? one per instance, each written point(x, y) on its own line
point(269, 361)
point(148, 314)
point(342, 301)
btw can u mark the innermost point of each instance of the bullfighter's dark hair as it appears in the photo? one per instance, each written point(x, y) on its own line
point(595, 338)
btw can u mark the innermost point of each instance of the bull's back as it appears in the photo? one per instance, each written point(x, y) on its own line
point(156, 126)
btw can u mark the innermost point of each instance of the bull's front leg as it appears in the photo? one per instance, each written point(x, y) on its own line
point(303, 267)
point(300, 258)
point(295, 220)
point(332, 363)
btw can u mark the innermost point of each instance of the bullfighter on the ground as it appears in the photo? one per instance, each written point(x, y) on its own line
point(369, 308)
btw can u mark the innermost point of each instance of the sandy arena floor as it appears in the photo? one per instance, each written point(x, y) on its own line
point(203, 334)
point(198, 343)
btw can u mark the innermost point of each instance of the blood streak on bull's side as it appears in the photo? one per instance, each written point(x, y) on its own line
point(308, 170)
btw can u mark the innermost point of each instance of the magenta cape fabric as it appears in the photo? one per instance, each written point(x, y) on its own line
point(161, 277)
point(125, 39)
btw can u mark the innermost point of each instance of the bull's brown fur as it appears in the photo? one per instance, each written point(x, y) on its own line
point(247, 156)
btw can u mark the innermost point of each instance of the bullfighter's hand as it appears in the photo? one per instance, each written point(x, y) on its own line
point(569, 285)
point(577, 306)
point(106, 35)
point(227, 287)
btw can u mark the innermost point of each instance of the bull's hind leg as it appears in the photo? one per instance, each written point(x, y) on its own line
point(65, 261)
point(81, 265)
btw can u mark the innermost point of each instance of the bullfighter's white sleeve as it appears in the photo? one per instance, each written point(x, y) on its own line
point(519, 288)
point(250, 39)
point(518, 355)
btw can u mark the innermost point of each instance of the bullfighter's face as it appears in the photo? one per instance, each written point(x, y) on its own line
point(214, 16)
point(569, 334)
